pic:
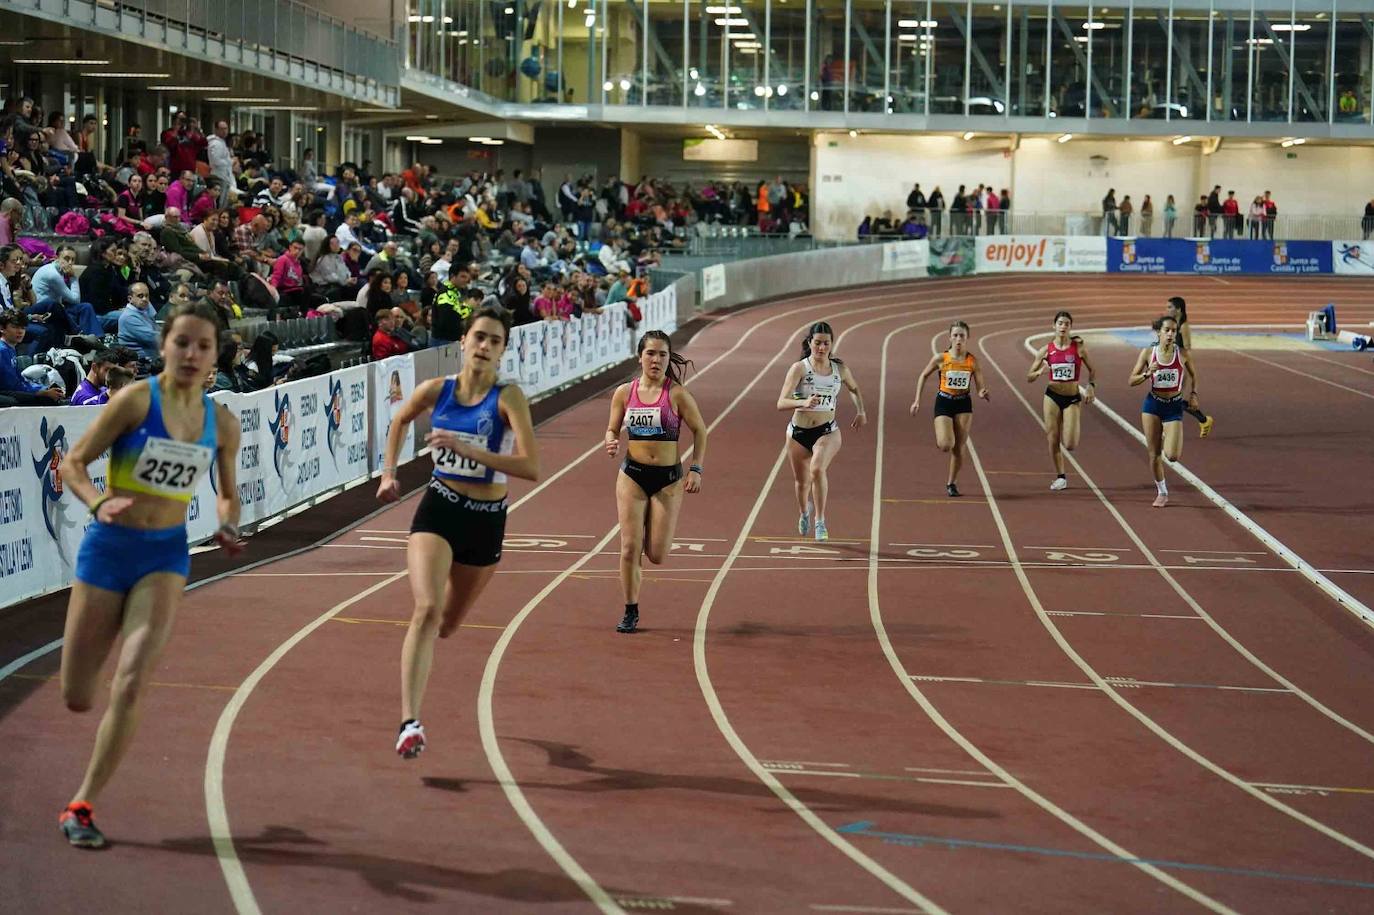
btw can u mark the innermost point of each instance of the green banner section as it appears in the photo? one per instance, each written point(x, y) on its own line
point(951, 256)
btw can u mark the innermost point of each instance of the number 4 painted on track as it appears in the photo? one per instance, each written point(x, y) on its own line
point(799, 550)
point(690, 547)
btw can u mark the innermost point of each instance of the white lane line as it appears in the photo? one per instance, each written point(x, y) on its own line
point(863, 909)
point(953, 733)
point(37, 653)
point(1293, 371)
point(1114, 694)
point(1330, 588)
point(727, 729)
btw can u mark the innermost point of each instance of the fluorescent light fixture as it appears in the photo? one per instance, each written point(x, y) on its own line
point(723, 10)
point(749, 46)
point(1065, 137)
point(1293, 141)
point(244, 100)
point(968, 135)
point(1286, 143)
point(495, 143)
point(431, 117)
point(625, 84)
point(1259, 41)
point(743, 36)
point(12, 44)
point(286, 107)
point(190, 88)
point(1291, 27)
point(729, 22)
point(130, 75)
point(608, 85)
point(747, 50)
point(509, 11)
point(381, 111)
point(911, 37)
point(74, 61)
point(416, 139)
point(432, 141)
point(1081, 38)
point(590, 20)
point(758, 90)
point(479, 139)
point(1179, 141)
point(1094, 26)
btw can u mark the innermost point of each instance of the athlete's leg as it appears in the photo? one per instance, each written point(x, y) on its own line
point(465, 585)
point(631, 508)
point(149, 610)
point(1150, 426)
point(93, 619)
point(827, 446)
point(1172, 441)
point(428, 560)
point(1069, 436)
point(962, 424)
point(1054, 418)
point(800, 461)
point(944, 433)
point(661, 521)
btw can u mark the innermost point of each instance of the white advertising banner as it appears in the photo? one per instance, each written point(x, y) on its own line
point(1041, 254)
point(712, 282)
point(908, 256)
point(393, 381)
point(1352, 258)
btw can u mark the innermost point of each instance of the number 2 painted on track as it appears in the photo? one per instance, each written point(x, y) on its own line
point(1082, 557)
point(533, 543)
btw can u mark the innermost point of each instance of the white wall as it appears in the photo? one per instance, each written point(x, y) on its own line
point(856, 176)
point(1054, 177)
point(1319, 180)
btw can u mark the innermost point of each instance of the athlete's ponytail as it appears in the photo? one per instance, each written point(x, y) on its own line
point(677, 363)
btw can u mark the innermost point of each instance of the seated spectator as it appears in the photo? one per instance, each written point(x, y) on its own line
point(347, 234)
point(57, 289)
point(273, 195)
point(92, 389)
point(105, 282)
point(117, 380)
point(145, 258)
point(288, 276)
point(384, 259)
point(258, 372)
point(223, 299)
point(610, 258)
point(552, 304)
point(179, 192)
point(13, 386)
point(249, 250)
point(385, 343)
point(517, 302)
point(138, 324)
point(376, 294)
point(231, 353)
point(129, 204)
point(11, 220)
point(329, 273)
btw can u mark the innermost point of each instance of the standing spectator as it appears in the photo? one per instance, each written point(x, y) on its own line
point(184, 142)
point(1213, 211)
point(1230, 211)
point(1200, 216)
point(138, 324)
point(936, 203)
point(179, 192)
point(916, 200)
point(1147, 215)
point(1170, 216)
point(14, 388)
point(958, 212)
point(1366, 224)
point(1271, 215)
point(994, 207)
point(86, 139)
point(1256, 214)
point(221, 160)
point(1124, 213)
point(1109, 213)
point(288, 277)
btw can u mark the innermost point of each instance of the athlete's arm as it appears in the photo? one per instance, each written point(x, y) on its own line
point(227, 506)
point(618, 401)
point(1192, 373)
point(1038, 366)
point(122, 414)
point(424, 398)
point(931, 366)
point(686, 406)
point(852, 385)
point(1142, 367)
point(788, 398)
point(978, 380)
point(1091, 394)
point(523, 461)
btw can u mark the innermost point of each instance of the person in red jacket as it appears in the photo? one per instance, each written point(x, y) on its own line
point(1230, 211)
point(288, 278)
point(384, 341)
point(183, 141)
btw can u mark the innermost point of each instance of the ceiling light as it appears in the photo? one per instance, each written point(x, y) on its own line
point(608, 85)
point(590, 20)
point(723, 10)
point(130, 75)
point(758, 90)
point(1286, 143)
point(431, 117)
point(13, 44)
point(242, 100)
point(730, 22)
point(76, 62)
point(286, 107)
point(1094, 26)
point(1081, 38)
point(431, 141)
point(815, 96)
point(1259, 41)
point(509, 11)
point(624, 84)
point(190, 88)
point(853, 133)
point(416, 139)
point(782, 88)
point(1064, 138)
point(693, 73)
point(381, 111)
point(494, 143)
point(968, 135)
point(1290, 27)
point(911, 37)
point(1179, 141)
point(699, 91)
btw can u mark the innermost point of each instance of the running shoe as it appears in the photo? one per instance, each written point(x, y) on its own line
point(1205, 426)
point(821, 533)
point(804, 523)
point(1058, 484)
point(1161, 500)
point(629, 623)
point(952, 491)
point(79, 828)
point(411, 742)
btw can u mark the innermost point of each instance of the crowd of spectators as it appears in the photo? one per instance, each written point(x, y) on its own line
point(397, 260)
point(1213, 215)
point(982, 211)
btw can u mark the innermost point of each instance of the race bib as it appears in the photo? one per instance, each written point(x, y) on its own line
point(643, 421)
point(825, 405)
point(957, 381)
point(1063, 371)
point(167, 467)
point(449, 462)
point(1166, 378)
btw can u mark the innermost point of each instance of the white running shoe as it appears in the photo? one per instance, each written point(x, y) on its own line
point(411, 742)
point(821, 533)
point(1161, 500)
point(1059, 483)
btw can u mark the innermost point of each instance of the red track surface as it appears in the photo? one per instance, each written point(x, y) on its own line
point(950, 698)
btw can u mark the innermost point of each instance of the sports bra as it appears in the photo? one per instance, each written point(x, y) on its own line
point(149, 460)
point(956, 375)
point(479, 425)
point(1063, 363)
point(828, 386)
point(655, 422)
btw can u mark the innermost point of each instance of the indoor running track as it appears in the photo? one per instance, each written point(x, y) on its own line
point(1015, 701)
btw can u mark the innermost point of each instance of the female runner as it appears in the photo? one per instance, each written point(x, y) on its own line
point(1161, 416)
point(649, 487)
point(1064, 357)
point(953, 406)
point(482, 433)
point(133, 562)
point(810, 390)
point(1178, 310)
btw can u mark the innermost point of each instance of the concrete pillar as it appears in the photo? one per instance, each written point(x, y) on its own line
point(629, 156)
point(332, 154)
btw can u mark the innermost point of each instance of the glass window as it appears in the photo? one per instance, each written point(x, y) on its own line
point(987, 76)
point(1069, 61)
point(868, 28)
point(1231, 58)
point(667, 66)
point(828, 50)
point(706, 75)
point(1269, 101)
point(1311, 65)
point(787, 54)
point(742, 43)
point(946, 49)
point(1030, 31)
point(909, 55)
point(580, 71)
point(1109, 33)
point(1188, 88)
point(1149, 60)
point(1353, 64)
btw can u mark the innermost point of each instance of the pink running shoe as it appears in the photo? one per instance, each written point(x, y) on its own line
point(411, 742)
point(1161, 500)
